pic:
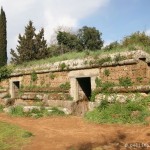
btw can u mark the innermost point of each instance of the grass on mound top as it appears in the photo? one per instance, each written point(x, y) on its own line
point(132, 112)
point(13, 137)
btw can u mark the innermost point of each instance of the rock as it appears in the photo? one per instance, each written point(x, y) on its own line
point(144, 94)
point(7, 109)
point(30, 108)
point(135, 113)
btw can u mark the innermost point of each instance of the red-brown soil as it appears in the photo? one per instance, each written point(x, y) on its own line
point(73, 133)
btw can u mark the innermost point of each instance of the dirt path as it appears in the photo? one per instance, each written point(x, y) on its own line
point(62, 133)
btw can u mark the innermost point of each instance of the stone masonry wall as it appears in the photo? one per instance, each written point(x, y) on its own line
point(46, 79)
point(136, 72)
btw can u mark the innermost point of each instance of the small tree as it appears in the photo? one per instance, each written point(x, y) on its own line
point(3, 39)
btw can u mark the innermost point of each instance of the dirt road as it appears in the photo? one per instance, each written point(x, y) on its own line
point(73, 133)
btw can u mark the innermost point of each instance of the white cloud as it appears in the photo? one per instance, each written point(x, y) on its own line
point(47, 13)
point(147, 32)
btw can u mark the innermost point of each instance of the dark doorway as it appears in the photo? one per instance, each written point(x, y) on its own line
point(16, 86)
point(85, 84)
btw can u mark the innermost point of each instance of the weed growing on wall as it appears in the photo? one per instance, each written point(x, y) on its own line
point(62, 66)
point(125, 81)
point(119, 58)
point(52, 76)
point(139, 79)
point(65, 86)
point(34, 76)
point(106, 72)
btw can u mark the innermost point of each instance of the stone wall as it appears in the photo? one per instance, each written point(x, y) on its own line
point(46, 79)
point(139, 73)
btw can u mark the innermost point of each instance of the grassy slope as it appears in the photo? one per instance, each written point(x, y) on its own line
point(80, 55)
point(12, 137)
point(71, 55)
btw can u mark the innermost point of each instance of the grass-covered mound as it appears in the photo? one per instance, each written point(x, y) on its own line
point(129, 112)
point(12, 137)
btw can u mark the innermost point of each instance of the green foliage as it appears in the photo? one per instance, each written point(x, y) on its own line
point(106, 72)
point(137, 38)
point(36, 112)
point(5, 72)
point(3, 39)
point(129, 112)
point(34, 76)
point(119, 58)
point(52, 76)
point(103, 60)
point(90, 38)
point(98, 82)
point(125, 81)
point(27, 134)
point(139, 79)
point(56, 112)
point(69, 40)
point(31, 46)
point(1, 108)
point(62, 66)
point(65, 86)
point(93, 95)
point(106, 86)
point(17, 111)
point(111, 46)
point(12, 137)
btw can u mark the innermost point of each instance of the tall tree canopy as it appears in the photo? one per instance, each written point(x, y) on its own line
point(31, 45)
point(3, 39)
point(90, 38)
point(85, 38)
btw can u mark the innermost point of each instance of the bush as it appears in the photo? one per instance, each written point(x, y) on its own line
point(5, 72)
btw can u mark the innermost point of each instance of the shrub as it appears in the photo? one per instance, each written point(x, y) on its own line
point(5, 72)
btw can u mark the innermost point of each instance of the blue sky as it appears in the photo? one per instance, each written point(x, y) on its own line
point(114, 18)
point(120, 18)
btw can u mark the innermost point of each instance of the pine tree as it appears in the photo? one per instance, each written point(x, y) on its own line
point(3, 39)
point(40, 46)
point(31, 46)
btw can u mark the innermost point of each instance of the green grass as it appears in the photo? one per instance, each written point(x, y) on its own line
point(1, 108)
point(36, 113)
point(71, 55)
point(12, 137)
point(130, 112)
point(80, 55)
